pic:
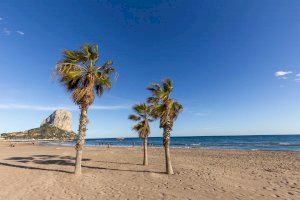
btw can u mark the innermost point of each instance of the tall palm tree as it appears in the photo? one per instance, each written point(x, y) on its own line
point(143, 117)
point(167, 110)
point(79, 73)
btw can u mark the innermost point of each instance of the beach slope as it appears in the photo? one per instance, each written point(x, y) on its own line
point(45, 172)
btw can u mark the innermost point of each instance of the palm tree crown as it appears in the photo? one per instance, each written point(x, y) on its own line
point(143, 117)
point(163, 106)
point(81, 76)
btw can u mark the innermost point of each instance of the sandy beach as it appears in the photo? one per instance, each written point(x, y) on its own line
point(45, 172)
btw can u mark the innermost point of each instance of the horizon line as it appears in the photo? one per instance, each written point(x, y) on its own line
point(268, 134)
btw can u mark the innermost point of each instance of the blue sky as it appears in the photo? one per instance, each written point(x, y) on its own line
point(235, 64)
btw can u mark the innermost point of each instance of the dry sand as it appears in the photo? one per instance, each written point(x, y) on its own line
point(45, 172)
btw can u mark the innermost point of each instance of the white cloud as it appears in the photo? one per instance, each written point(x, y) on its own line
point(282, 73)
point(298, 75)
point(20, 32)
point(109, 107)
point(52, 108)
point(6, 31)
point(1, 18)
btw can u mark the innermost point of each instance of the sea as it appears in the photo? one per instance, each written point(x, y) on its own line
point(249, 142)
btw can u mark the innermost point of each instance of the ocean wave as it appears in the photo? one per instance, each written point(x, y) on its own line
point(284, 144)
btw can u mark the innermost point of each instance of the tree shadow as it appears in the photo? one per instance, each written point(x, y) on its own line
point(122, 170)
point(47, 159)
point(65, 161)
point(54, 162)
point(45, 156)
point(20, 158)
point(120, 163)
point(34, 168)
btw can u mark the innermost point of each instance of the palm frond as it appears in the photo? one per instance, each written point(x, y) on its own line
point(70, 56)
point(175, 110)
point(134, 117)
point(69, 74)
point(154, 89)
point(78, 72)
point(167, 85)
point(141, 109)
point(107, 67)
point(162, 105)
point(103, 77)
point(143, 116)
point(138, 127)
point(142, 128)
point(91, 52)
point(153, 100)
point(102, 84)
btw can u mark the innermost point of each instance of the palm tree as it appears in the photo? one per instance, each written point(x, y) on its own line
point(167, 110)
point(79, 73)
point(143, 117)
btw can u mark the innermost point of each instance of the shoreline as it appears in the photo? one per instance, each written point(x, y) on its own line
point(29, 142)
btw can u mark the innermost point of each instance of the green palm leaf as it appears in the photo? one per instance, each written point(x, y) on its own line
point(163, 106)
point(143, 117)
point(78, 72)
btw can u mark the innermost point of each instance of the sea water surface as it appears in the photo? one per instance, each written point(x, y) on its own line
point(253, 142)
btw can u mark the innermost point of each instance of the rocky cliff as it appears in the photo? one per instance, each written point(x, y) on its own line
point(61, 119)
point(56, 126)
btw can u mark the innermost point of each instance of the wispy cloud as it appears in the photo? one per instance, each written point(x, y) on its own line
point(52, 108)
point(297, 79)
point(201, 114)
point(109, 107)
point(20, 32)
point(28, 107)
point(212, 128)
point(283, 74)
point(6, 31)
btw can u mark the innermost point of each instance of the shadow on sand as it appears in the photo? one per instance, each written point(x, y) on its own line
point(65, 161)
point(119, 163)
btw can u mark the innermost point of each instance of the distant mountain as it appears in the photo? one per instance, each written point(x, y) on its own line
point(61, 119)
point(45, 131)
point(56, 126)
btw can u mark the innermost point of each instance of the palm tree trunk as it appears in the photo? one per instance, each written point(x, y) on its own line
point(145, 151)
point(81, 139)
point(166, 141)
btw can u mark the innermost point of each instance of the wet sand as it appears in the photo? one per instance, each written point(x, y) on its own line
point(45, 172)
